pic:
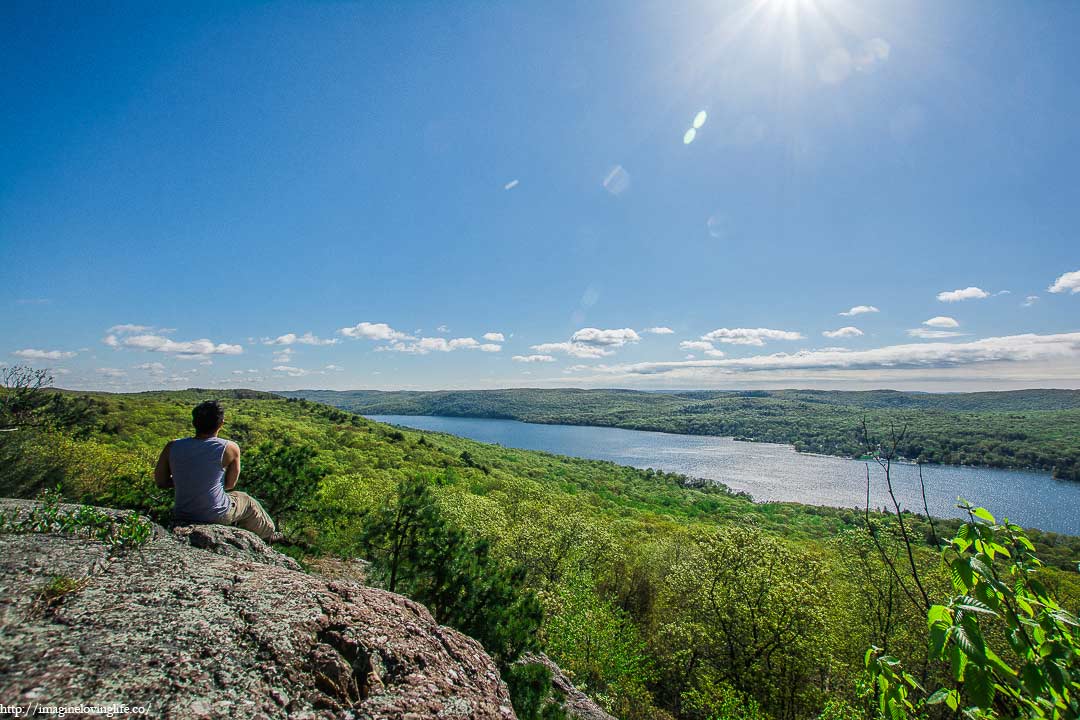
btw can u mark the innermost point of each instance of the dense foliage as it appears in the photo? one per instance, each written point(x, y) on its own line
point(1036, 429)
point(416, 552)
point(1012, 648)
point(662, 597)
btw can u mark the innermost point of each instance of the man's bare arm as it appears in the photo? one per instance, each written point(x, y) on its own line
point(231, 461)
point(162, 471)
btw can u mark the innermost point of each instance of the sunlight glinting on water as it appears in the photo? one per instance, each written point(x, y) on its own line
point(771, 472)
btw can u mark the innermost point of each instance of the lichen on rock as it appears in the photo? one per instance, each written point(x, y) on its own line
point(207, 621)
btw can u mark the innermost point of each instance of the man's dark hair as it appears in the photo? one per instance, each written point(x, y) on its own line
point(208, 416)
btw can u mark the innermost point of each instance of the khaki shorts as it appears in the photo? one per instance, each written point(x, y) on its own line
point(246, 512)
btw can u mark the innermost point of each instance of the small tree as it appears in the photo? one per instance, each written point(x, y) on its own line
point(997, 594)
point(283, 477)
point(23, 395)
point(27, 401)
point(416, 552)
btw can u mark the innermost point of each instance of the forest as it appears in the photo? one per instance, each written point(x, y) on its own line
point(1023, 429)
point(661, 596)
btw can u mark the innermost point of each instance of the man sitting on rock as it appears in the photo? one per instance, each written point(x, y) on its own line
point(204, 470)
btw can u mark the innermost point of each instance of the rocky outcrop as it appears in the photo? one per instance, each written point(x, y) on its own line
point(575, 703)
point(207, 621)
point(233, 542)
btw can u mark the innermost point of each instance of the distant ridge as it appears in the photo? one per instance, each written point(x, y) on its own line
point(1020, 429)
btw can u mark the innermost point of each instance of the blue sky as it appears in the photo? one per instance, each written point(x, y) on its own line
point(189, 192)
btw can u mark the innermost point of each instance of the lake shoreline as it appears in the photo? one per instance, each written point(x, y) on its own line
point(778, 472)
point(734, 438)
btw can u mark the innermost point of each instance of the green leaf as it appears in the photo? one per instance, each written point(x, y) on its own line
point(1000, 665)
point(967, 602)
point(970, 640)
point(958, 661)
point(984, 514)
point(982, 569)
point(962, 576)
point(1032, 679)
point(1039, 590)
point(912, 681)
point(938, 696)
point(979, 686)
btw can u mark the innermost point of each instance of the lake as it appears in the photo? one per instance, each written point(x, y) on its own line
point(776, 472)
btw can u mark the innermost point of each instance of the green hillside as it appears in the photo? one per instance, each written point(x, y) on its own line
point(662, 597)
point(1024, 429)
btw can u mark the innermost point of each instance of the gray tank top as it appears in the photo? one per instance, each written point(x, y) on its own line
point(199, 479)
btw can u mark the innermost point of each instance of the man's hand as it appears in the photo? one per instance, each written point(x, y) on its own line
point(162, 471)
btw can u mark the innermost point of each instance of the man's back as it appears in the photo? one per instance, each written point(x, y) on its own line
point(198, 475)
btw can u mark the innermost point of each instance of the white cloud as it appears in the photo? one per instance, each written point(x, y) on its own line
point(1030, 300)
point(572, 349)
point(442, 329)
point(1006, 349)
point(191, 349)
point(250, 371)
point(591, 342)
point(283, 356)
point(425, 345)
point(494, 337)
point(34, 354)
point(941, 321)
point(291, 371)
point(154, 367)
point(374, 331)
point(968, 293)
point(927, 334)
point(605, 338)
point(305, 339)
point(510, 185)
point(1069, 282)
point(749, 336)
point(111, 372)
point(701, 346)
point(844, 332)
point(860, 310)
point(533, 358)
point(334, 368)
point(660, 331)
